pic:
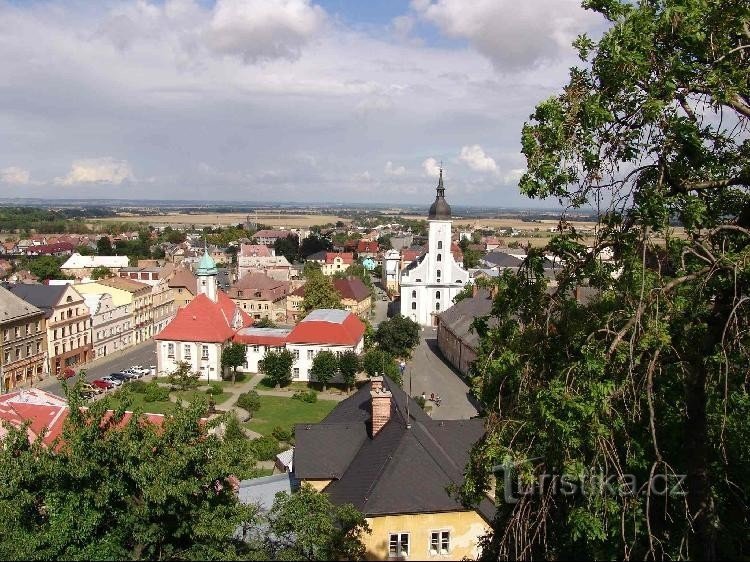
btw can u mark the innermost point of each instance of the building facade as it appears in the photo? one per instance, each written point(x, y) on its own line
point(162, 304)
point(23, 342)
point(111, 328)
point(143, 313)
point(429, 284)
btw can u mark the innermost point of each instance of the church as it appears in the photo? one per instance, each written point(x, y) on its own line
point(429, 283)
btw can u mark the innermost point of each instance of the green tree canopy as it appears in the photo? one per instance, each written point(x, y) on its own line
point(307, 526)
point(183, 377)
point(100, 272)
point(349, 366)
point(320, 293)
point(377, 362)
point(277, 366)
point(649, 376)
point(325, 365)
point(398, 335)
point(233, 355)
point(288, 247)
point(104, 246)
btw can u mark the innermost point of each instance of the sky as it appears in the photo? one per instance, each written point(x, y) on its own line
point(354, 101)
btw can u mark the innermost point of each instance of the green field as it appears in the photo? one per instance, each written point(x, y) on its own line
point(285, 412)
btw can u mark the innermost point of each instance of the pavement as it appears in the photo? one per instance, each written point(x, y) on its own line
point(429, 373)
point(142, 354)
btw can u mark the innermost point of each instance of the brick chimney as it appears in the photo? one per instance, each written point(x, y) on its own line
point(376, 383)
point(381, 407)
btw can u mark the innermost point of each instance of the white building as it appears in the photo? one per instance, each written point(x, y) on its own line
point(201, 330)
point(391, 270)
point(111, 328)
point(321, 330)
point(429, 284)
point(81, 266)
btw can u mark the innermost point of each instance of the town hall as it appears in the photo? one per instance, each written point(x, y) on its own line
point(429, 283)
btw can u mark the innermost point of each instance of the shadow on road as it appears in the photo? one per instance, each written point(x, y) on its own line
point(432, 344)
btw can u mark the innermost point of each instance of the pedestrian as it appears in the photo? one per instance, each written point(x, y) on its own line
point(432, 396)
point(437, 400)
point(424, 397)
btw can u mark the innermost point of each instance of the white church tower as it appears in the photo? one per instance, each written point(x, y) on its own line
point(429, 283)
point(207, 274)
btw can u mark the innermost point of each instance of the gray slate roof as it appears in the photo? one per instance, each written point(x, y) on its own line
point(460, 317)
point(13, 307)
point(44, 297)
point(262, 491)
point(501, 259)
point(401, 470)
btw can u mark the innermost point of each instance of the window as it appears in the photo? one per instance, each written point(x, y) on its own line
point(310, 353)
point(18, 331)
point(204, 352)
point(437, 294)
point(414, 306)
point(440, 257)
point(186, 351)
point(296, 354)
point(414, 294)
point(440, 542)
point(437, 306)
point(439, 273)
point(295, 371)
point(440, 244)
point(398, 545)
point(255, 349)
point(170, 350)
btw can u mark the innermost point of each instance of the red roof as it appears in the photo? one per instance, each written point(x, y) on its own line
point(351, 288)
point(328, 327)
point(203, 320)
point(370, 246)
point(347, 257)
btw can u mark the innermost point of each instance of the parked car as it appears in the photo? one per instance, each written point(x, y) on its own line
point(136, 374)
point(120, 377)
point(66, 373)
point(86, 387)
point(103, 384)
point(113, 380)
point(141, 369)
point(128, 375)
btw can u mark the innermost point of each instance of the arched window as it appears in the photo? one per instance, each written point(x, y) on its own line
point(440, 244)
point(414, 294)
point(438, 274)
point(437, 306)
point(440, 257)
point(414, 306)
point(437, 294)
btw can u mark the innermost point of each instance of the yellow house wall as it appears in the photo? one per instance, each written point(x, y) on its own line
point(319, 485)
point(466, 528)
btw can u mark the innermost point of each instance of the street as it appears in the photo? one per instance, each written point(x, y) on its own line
point(430, 373)
point(141, 354)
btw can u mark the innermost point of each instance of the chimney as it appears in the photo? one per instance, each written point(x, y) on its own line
point(376, 383)
point(474, 289)
point(381, 409)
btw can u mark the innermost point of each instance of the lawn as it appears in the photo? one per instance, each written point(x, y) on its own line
point(190, 395)
point(335, 388)
point(285, 412)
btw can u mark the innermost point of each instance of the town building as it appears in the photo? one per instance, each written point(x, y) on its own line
point(143, 313)
point(261, 296)
point(367, 249)
point(391, 277)
point(429, 284)
point(163, 305)
point(200, 331)
point(149, 274)
point(354, 296)
point(259, 258)
point(184, 286)
point(332, 262)
point(384, 455)
point(68, 323)
point(269, 237)
point(324, 329)
point(81, 267)
point(111, 325)
point(23, 342)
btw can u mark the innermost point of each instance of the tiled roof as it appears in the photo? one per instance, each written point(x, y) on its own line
point(203, 320)
point(44, 297)
point(262, 336)
point(346, 257)
point(328, 326)
point(129, 285)
point(459, 318)
point(401, 470)
point(370, 246)
point(13, 307)
point(254, 250)
point(183, 277)
point(352, 288)
point(77, 261)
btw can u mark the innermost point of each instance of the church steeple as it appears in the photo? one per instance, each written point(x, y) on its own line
point(440, 210)
point(207, 273)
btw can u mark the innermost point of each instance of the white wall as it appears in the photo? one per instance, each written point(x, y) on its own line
point(209, 369)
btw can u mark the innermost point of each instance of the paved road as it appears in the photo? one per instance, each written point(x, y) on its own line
point(429, 373)
point(142, 354)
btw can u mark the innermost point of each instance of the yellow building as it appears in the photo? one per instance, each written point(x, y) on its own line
point(396, 473)
point(184, 286)
point(143, 312)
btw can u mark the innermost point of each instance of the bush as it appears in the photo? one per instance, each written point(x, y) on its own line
point(138, 386)
point(265, 448)
point(309, 396)
point(249, 401)
point(281, 434)
point(214, 389)
point(155, 393)
point(420, 400)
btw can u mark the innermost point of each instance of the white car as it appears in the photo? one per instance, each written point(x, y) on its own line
point(140, 369)
point(113, 380)
point(133, 373)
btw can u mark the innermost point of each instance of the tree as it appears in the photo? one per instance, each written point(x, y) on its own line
point(182, 377)
point(233, 356)
point(277, 366)
point(100, 272)
point(233, 429)
point(307, 526)
point(104, 246)
point(384, 242)
point(249, 401)
point(264, 322)
point(349, 366)
point(124, 490)
point(377, 362)
point(649, 378)
point(287, 247)
point(311, 269)
point(314, 244)
point(320, 293)
point(471, 258)
point(84, 250)
point(398, 335)
point(324, 367)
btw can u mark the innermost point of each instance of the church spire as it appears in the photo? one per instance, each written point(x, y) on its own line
point(440, 186)
point(440, 210)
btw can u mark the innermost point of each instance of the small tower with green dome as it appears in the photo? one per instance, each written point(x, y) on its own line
point(207, 274)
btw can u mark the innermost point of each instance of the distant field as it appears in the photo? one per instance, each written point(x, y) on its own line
point(224, 219)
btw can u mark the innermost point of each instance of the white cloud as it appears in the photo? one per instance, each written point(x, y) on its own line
point(431, 168)
point(391, 170)
point(98, 170)
point(476, 159)
point(514, 175)
point(257, 30)
point(13, 175)
point(513, 35)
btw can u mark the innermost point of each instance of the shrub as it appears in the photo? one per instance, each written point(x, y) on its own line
point(214, 389)
point(309, 396)
point(420, 400)
point(232, 429)
point(155, 393)
point(138, 386)
point(281, 434)
point(265, 448)
point(249, 401)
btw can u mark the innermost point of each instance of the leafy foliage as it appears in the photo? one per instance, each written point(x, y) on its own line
point(309, 396)
point(320, 293)
point(648, 376)
point(100, 272)
point(324, 367)
point(182, 377)
point(398, 335)
point(349, 366)
point(233, 356)
point(378, 362)
point(277, 365)
point(249, 401)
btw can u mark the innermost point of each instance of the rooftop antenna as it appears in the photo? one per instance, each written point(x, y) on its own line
point(408, 401)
